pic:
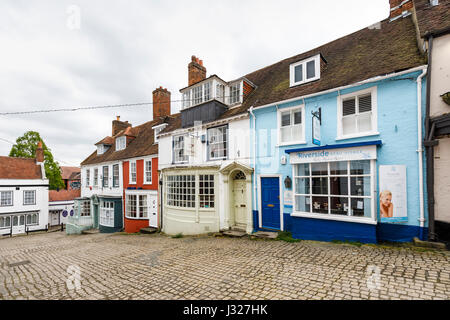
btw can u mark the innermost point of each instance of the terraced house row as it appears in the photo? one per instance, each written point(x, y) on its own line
point(328, 144)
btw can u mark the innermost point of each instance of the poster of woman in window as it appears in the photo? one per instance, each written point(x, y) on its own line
point(392, 197)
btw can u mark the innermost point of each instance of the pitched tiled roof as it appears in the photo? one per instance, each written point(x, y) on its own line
point(142, 145)
point(63, 195)
point(19, 168)
point(364, 54)
point(432, 19)
point(67, 172)
point(75, 176)
point(367, 53)
point(107, 140)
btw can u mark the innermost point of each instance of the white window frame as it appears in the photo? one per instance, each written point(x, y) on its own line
point(186, 103)
point(33, 192)
point(121, 143)
point(139, 215)
point(106, 214)
point(146, 181)
point(11, 198)
point(185, 158)
point(105, 182)
point(88, 177)
point(85, 208)
point(207, 94)
point(197, 95)
point(316, 58)
point(329, 216)
point(95, 177)
point(291, 110)
point(100, 149)
point(118, 175)
point(208, 135)
point(235, 88)
point(374, 111)
point(133, 164)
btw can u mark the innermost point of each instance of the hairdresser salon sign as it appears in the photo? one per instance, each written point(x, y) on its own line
point(341, 154)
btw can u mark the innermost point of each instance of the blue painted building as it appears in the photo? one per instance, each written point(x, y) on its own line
point(336, 135)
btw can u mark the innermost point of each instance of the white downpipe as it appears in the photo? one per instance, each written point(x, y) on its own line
point(255, 189)
point(419, 141)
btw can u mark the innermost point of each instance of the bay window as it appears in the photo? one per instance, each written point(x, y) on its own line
point(357, 114)
point(107, 213)
point(341, 188)
point(184, 191)
point(85, 207)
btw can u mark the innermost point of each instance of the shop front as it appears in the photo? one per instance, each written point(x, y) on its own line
point(110, 214)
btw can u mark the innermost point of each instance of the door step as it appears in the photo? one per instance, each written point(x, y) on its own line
point(148, 230)
point(90, 231)
point(265, 234)
point(234, 233)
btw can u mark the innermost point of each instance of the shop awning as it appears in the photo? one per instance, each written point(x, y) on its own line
point(336, 146)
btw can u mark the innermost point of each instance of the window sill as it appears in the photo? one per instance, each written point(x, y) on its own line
point(333, 217)
point(148, 183)
point(359, 135)
point(136, 218)
point(285, 144)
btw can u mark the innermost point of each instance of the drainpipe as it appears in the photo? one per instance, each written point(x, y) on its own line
point(255, 191)
point(420, 149)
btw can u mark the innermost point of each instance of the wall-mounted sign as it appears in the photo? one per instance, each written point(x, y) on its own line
point(341, 154)
point(288, 199)
point(316, 131)
point(393, 193)
point(64, 213)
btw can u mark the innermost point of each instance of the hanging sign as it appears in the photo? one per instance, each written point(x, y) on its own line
point(393, 193)
point(316, 122)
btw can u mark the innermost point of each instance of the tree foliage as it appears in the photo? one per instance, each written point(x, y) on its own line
point(26, 146)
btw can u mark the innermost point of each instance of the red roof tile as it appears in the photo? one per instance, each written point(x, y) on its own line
point(63, 195)
point(19, 168)
point(67, 172)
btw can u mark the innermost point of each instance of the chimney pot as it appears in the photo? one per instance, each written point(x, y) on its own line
point(118, 118)
point(196, 71)
point(39, 153)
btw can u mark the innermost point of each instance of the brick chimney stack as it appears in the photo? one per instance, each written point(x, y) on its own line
point(400, 8)
point(118, 125)
point(161, 103)
point(39, 153)
point(196, 71)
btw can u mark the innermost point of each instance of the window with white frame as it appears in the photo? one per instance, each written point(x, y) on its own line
point(156, 133)
point(29, 197)
point(5, 222)
point(197, 93)
point(95, 177)
point(105, 176)
point(178, 149)
point(341, 188)
point(107, 213)
point(132, 171)
point(148, 171)
point(357, 113)
point(207, 91)
point(137, 206)
point(290, 125)
point(121, 143)
point(206, 190)
point(32, 219)
point(305, 71)
point(217, 143)
point(88, 177)
point(180, 191)
point(220, 92)
point(116, 176)
point(85, 208)
point(6, 198)
point(186, 99)
point(235, 93)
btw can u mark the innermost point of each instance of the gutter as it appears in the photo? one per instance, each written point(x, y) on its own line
point(374, 79)
point(420, 149)
point(255, 191)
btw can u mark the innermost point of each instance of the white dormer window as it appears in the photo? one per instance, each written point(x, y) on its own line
point(235, 93)
point(121, 143)
point(305, 71)
point(186, 99)
point(100, 149)
point(197, 93)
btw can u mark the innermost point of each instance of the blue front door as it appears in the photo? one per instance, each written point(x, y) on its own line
point(270, 203)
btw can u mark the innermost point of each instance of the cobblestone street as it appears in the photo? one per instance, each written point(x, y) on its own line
point(119, 266)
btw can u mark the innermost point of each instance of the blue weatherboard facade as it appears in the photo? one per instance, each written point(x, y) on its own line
point(396, 143)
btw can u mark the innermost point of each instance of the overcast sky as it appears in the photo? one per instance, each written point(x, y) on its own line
point(118, 52)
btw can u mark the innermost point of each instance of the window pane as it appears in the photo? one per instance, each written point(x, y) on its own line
point(298, 73)
point(348, 107)
point(302, 186)
point(339, 206)
point(360, 207)
point(297, 117)
point(303, 203)
point(303, 169)
point(286, 134)
point(365, 122)
point(365, 103)
point(319, 169)
point(360, 186)
point(310, 69)
point(348, 125)
point(319, 185)
point(339, 167)
point(320, 204)
point(285, 119)
point(339, 185)
point(360, 167)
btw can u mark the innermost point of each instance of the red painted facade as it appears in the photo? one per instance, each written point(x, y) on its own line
point(134, 225)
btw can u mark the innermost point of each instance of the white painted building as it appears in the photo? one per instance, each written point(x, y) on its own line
point(23, 194)
point(204, 158)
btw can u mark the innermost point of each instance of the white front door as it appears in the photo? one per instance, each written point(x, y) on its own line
point(18, 224)
point(153, 213)
point(240, 202)
point(55, 218)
